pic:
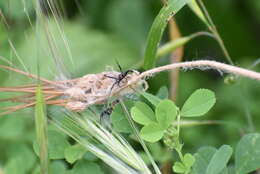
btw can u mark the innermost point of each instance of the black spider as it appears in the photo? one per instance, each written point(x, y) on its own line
point(120, 77)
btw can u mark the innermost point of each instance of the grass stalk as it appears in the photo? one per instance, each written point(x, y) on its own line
point(41, 131)
point(117, 153)
point(136, 132)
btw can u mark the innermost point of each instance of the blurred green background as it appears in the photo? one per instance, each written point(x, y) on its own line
point(102, 31)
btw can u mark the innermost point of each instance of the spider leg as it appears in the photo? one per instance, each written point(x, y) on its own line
point(128, 71)
point(111, 77)
point(120, 68)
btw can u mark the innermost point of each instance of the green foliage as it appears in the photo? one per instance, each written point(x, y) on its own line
point(185, 165)
point(166, 112)
point(202, 159)
point(132, 29)
point(199, 103)
point(56, 146)
point(41, 130)
point(212, 161)
point(119, 121)
point(57, 167)
point(142, 114)
point(247, 156)
point(219, 160)
point(117, 29)
point(154, 123)
point(163, 93)
point(179, 167)
point(17, 9)
point(84, 166)
point(151, 98)
point(17, 163)
point(152, 132)
point(73, 153)
point(157, 29)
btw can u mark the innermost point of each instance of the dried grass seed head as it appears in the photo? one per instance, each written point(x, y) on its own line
point(98, 88)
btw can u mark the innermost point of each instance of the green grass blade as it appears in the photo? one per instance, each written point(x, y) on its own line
point(41, 130)
point(157, 29)
point(196, 9)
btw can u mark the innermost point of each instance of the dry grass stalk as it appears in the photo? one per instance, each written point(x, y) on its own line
point(76, 94)
point(80, 93)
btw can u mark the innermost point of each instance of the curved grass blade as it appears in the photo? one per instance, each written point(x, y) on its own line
point(117, 153)
point(41, 130)
point(196, 9)
point(157, 29)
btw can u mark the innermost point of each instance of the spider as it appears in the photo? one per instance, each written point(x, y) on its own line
point(120, 77)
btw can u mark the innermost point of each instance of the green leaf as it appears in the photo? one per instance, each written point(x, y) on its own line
point(142, 114)
point(16, 164)
point(158, 152)
point(199, 103)
point(90, 157)
point(178, 167)
point(157, 29)
point(219, 160)
point(196, 9)
point(163, 93)
point(75, 152)
point(56, 146)
point(173, 45)
point(166, 112)
point(84, 166)
point(202, 159)
point(188, 160)
point(12, 132)
point(151, 98)
point(152, 132)
point(119, 120)
point(247, 155)
point(57, 167)
point(41, 130)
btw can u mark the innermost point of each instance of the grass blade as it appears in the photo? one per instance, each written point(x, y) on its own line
point(196, 9)
point(41, 130)
point(157, 29)
point(117, 153)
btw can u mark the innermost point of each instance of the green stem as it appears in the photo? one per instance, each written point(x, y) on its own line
point(215, 32)
point(136, 132)
point(179, 148)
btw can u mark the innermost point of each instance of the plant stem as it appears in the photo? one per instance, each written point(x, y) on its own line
point(214, 31)
point(136, 132)
point(202, 64)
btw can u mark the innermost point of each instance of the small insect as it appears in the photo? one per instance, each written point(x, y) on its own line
point(105, 115)
point(75, 94)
